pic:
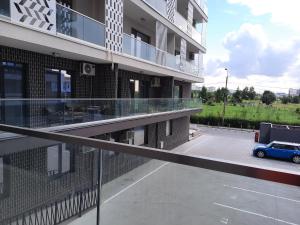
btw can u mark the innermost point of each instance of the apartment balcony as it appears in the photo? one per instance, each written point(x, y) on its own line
point(51, 178)
point(203, 5)
point(180, 21)
point(80, 29)
point(159, 5)
point(74, 24)
point(144, 51)
point(45, 113)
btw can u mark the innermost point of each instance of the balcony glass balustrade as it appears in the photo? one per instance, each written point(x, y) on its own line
point(74, 24)
point(203, 5)
point(52, 178)
point(142, 50)
point(158, 5)
point(39, 113)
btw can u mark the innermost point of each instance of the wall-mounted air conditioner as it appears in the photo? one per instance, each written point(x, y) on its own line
point(88, 69)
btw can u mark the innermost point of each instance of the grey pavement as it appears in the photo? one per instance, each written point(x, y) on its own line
point(159, 193)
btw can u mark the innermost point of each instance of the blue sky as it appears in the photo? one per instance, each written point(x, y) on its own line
point(257, 40)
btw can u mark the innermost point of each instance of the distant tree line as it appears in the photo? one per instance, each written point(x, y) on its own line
point(237, 97)
point(290, 99)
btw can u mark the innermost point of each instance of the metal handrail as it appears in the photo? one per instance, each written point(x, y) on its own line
point(279, 176)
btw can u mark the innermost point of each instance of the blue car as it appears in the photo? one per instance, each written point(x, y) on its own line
point(281, 150)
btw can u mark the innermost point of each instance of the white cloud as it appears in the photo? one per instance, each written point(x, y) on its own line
point(285, 12)
point(253, 59)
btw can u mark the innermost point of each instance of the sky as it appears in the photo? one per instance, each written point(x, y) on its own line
point(257, 40)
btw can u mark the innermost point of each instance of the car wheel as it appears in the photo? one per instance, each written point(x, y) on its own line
point(260, 154)
point(296, 159)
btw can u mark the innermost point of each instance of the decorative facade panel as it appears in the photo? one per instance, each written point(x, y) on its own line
point(190, 18)
point(114, 24)
point(171, 7)
point(161, 42)
point(38, 14)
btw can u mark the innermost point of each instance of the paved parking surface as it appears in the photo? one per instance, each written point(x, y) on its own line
point(168, 194)
point(231, 144)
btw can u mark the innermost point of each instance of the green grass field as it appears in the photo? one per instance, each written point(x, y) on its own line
point(254, 113)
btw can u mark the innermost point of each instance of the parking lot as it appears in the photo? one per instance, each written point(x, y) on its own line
point(165, 193)
point(231, 144)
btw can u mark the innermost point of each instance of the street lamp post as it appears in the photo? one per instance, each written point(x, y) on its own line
point(225, 98)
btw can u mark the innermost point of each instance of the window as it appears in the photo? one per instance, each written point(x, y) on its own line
point(142, 36)
point(12, 86)
point(52, 84)
point(59, 160)
point(168, 128)
point(177, 91)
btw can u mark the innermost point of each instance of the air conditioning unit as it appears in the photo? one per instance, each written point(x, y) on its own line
point(155, 82)
point(88, 69)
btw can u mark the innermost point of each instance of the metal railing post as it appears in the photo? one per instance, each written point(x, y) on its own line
point(99, 178)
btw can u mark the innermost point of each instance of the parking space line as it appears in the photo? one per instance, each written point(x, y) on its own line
point(255, 214)
point(142, 178)
point(262, 193)
point(136, 182)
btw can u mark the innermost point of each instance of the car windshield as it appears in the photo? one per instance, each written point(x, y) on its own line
point(270, 145)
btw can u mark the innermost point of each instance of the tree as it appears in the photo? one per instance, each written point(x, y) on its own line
point(218, 95)
point(245, 93)
point(237, 96)
point(285, 100)
point(252, 93)
point(296, 100)
point(268, 97)
point(203, 94)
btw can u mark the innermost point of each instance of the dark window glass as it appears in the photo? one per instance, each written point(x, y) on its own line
point(52, 84)
point(142, 36)
point(12, 86)
point(4, 7)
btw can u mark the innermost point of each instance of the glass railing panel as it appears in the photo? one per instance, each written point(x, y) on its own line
point(181, 22)
point(93, 31)
point(172, 194)
point(46, 182)
point(158, 5)
point(5, 8)
point(196, 35)
point(203, 5)
point(142, 50)
point(74, 24)
point(39, 113)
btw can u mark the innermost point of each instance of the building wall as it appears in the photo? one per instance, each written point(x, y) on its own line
point(179, 133)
